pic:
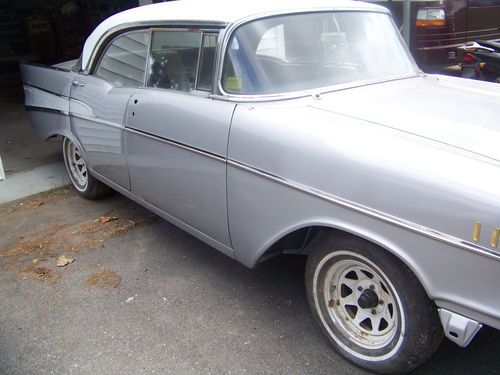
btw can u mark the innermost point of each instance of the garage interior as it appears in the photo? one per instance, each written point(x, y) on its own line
point(44, 32)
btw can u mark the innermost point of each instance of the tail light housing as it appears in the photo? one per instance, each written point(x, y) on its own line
point(431, 17)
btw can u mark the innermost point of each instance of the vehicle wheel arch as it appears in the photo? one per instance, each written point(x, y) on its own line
point(318, 229)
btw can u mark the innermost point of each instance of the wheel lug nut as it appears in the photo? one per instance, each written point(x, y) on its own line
point(372, 286)
point(360, 288)
point(331, 303)
point(374, 312)
point(380, 302)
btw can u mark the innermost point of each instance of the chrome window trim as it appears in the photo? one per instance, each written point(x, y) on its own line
point(310, 92)
point(197, 74)
point(148, 58)
point(217, 34)
point(382, 216)
point(131, 26)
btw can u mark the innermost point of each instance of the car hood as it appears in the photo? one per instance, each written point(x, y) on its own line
point(455, 111)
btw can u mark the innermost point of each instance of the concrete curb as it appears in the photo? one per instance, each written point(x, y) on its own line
point(37, 180)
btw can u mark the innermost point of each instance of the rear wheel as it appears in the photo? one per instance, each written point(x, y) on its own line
point(86, 184)
point(370, 305)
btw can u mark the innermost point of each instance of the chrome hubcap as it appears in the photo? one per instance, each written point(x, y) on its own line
point(76, 165)
point(360, 302)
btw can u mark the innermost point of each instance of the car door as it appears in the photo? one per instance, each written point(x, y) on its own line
point(98, 103)
point(176, 134)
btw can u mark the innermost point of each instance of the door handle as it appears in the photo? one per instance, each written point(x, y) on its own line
point(76, 83)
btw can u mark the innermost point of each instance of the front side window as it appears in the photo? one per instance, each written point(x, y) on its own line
point(308, 51)
point(124, 61)
point(174, 59)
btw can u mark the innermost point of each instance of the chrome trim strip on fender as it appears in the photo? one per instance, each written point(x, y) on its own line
point(44, 90)
point(183, 146)
point(96, 119)
point(413, 227)
point(44, 109)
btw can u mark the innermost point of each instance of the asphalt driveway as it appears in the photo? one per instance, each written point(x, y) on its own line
point(141, 296)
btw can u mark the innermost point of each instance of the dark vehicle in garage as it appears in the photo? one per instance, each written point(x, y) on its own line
point(438, 28)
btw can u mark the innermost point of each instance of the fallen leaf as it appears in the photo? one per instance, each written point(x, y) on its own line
point(35, 261)
point(64, 261)
point(105, 219)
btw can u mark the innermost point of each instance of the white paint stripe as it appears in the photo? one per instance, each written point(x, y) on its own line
point(38, 98)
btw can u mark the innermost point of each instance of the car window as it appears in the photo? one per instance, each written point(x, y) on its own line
point(174, 59)
point(272, 43)
point(207, 59)
point(124, 61)
point(276, 54)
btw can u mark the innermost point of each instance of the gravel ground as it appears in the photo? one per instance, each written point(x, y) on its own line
point(142, 296)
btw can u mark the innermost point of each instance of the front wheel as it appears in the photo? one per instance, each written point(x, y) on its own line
point(370, 305)
point(84, 183)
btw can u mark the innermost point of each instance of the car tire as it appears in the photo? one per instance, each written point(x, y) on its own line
point(85, 184)
point(370, 305)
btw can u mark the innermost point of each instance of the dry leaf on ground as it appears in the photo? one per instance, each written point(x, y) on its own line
point(64, 261)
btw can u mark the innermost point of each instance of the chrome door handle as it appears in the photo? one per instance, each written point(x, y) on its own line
point(76, 83)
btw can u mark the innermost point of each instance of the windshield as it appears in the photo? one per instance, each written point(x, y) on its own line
point(308, 51)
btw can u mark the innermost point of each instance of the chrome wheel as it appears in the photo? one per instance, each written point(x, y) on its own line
point(370, 305)
point(358, 306)
point(75, 164)
point(360, 301)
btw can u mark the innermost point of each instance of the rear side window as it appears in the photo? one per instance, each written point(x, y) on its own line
point(124, 61)
point(174, 59)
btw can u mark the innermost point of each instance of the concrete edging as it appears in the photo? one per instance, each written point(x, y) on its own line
point(37, 180)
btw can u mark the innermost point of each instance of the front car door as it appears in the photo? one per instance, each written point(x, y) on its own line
point(176, 135)
point(98, 103)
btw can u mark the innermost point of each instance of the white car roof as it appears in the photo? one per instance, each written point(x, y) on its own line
point(209, 11)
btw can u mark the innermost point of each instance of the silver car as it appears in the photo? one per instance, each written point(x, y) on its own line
point(297, 127)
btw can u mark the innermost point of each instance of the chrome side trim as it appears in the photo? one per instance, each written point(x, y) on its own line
point(44, 90)
point(96, 119)
point(183, 146)
point(44, 109)
point(387, 218)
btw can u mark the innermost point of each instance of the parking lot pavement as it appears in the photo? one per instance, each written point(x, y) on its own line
point(142, 296)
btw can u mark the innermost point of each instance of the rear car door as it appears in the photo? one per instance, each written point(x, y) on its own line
point(98, 103)
point(176, 134)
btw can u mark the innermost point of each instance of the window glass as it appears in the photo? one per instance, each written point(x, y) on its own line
point(174, 59)
point(272, 43)
point(307, 51)
point(124, 62)
point(207, 59)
